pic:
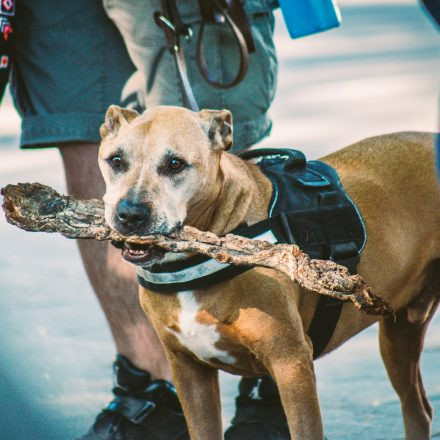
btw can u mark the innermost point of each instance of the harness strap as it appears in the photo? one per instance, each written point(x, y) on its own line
point(324, 322)
point(328, 309)
point(321, 233)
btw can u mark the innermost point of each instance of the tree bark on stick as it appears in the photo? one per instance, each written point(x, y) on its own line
point(39, 208)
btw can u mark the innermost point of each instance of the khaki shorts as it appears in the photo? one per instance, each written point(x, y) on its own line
point(72, 62)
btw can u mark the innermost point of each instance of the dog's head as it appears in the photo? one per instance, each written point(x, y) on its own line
point(158, 165)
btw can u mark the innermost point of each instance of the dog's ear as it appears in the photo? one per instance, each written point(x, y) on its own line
point(114, 119)
point(217, 125)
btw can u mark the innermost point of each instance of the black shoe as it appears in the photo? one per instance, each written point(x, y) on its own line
point(141, 410)
point(259, 414)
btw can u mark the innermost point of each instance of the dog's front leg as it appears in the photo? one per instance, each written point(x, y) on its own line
point(296, 383)
point(198, 390)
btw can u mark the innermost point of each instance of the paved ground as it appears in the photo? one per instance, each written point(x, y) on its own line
point(378, 73)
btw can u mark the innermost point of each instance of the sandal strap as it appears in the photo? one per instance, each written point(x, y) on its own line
point(132, 408)
point(157, 410)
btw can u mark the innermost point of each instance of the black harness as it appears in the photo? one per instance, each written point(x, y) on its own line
point(309, 208)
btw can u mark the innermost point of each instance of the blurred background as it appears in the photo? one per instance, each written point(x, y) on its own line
point(377, 73)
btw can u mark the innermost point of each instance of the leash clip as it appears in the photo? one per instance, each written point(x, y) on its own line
point(161, 20)
point(164, 22)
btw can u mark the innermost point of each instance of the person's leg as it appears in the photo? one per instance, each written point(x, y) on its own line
point(64, 100)
point(113, 280)
point(145, 406)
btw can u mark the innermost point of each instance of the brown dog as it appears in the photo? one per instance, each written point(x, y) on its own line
point(168, 167)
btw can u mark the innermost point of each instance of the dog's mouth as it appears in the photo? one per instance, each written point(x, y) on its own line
point(145, 254)
point(140, 255)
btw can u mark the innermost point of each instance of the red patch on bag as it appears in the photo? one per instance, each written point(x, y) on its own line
point(7, 7)
point(4, 62)
point(5, 28)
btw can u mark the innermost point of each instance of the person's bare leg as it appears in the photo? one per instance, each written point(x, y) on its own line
point(113, 279)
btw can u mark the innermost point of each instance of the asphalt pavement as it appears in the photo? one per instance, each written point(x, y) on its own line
point(377, 73)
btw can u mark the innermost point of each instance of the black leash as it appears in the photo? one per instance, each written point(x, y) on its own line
point(230, 12)
point(169, 21)
point(233, 14)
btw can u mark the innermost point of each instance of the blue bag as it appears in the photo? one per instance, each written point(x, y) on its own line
point(305, 17)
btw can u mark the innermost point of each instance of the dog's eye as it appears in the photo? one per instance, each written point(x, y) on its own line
point(116, 162)
point(175, 165)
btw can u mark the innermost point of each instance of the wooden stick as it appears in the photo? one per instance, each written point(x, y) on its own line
point(36, 207)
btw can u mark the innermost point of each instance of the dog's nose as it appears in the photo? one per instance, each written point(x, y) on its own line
point(132, 215)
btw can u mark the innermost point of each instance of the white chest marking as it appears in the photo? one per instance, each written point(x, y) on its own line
point(199, 338)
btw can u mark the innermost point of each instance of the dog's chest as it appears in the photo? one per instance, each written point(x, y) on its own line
point(197, 336)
